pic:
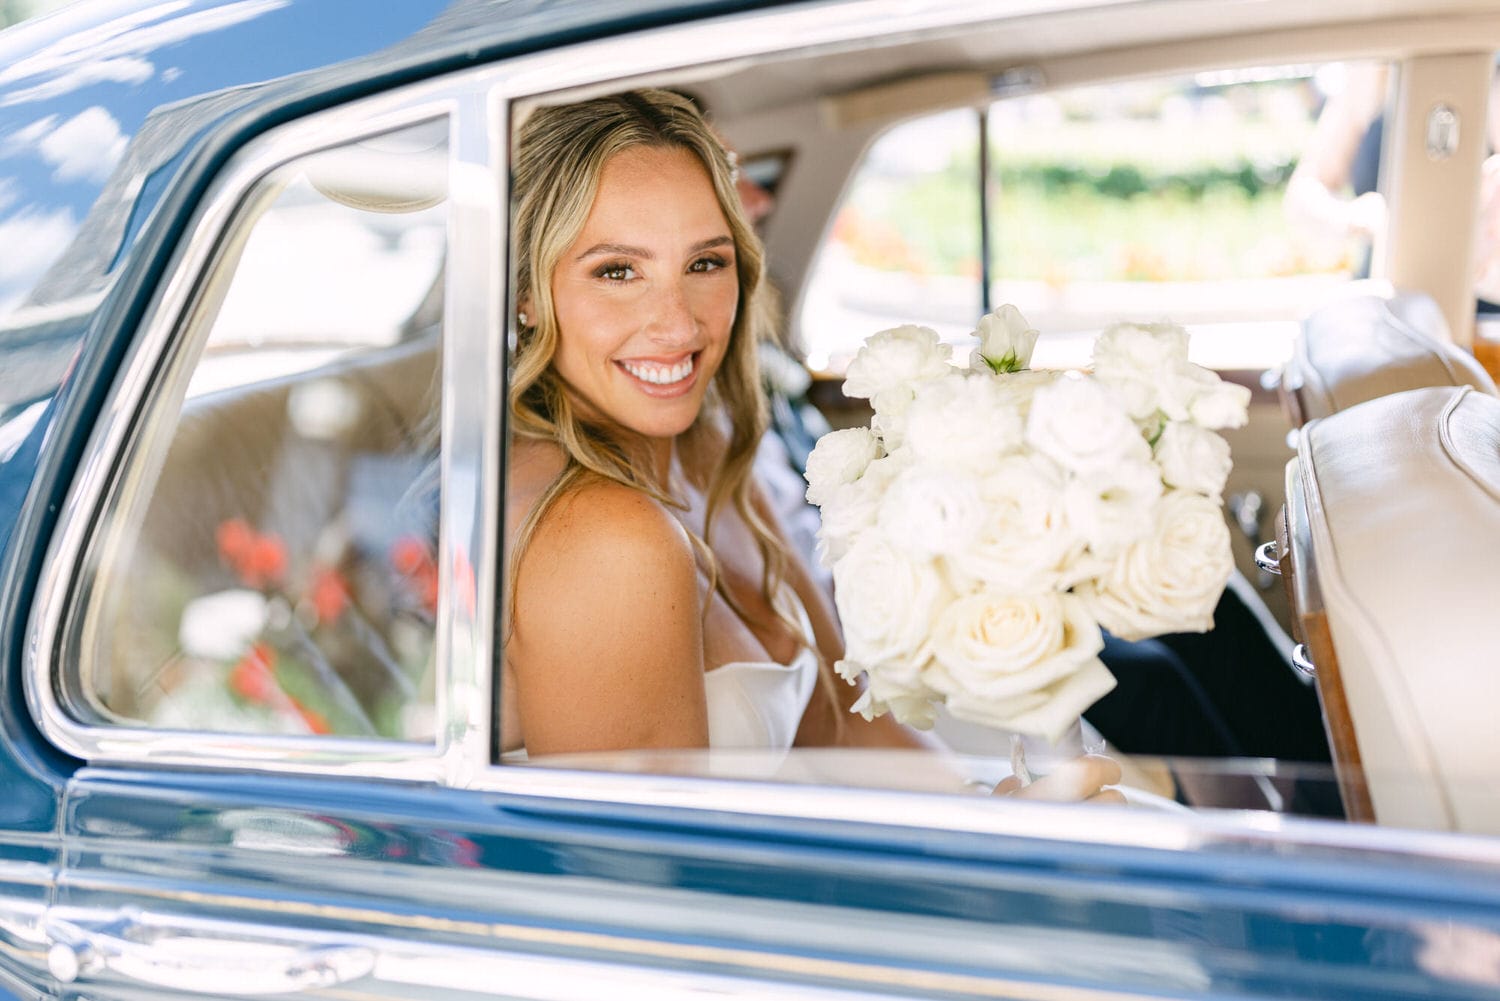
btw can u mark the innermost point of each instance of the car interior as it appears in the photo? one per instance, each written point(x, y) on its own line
point(1372, 424)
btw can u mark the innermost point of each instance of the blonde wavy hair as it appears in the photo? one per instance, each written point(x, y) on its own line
point(560, 156)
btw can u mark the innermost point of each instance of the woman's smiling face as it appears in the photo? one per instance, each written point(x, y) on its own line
point(645, 298)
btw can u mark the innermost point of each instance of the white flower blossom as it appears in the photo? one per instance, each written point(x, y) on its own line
point(894, 687)
point(1082, 426)
point(990, 521)
point(931, 510)
point(886, 601)
point(1219, 404)
point(852, 508)
point(1006, 341)
point(1170, 580)
point(1113, 506)
point(1193, 458)
point(962, 421)
point(1025, 541)
point(839, 458)
point(996, 650)
point(891, 363)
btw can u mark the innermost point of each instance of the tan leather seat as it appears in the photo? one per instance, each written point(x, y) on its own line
point(1393, 517)
point(1367, 346)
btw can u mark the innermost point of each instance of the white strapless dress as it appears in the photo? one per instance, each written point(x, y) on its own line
point(753, 705)
point(759, 704)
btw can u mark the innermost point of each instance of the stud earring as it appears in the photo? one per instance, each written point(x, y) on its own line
point(522, 318)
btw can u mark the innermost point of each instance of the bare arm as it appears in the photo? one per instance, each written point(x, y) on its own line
point(1314, 195)
point(607, 645)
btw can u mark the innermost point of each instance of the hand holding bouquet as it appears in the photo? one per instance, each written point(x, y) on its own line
point(992, 519)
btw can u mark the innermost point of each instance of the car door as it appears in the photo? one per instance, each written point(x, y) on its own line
point(267, 624)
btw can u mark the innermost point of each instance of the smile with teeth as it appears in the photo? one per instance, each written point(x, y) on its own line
point(658, 374)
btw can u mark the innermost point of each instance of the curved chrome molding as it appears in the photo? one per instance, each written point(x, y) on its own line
point(135, 397)
point(1267, 559)
point(1302, 662)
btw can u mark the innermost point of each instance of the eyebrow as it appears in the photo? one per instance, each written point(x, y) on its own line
point(625, 250)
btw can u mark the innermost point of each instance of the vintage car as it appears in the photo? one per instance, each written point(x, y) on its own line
point(255, 322)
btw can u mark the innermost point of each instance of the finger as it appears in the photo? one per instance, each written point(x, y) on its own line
point(1007, 786)
point(1113, 797)
point(1108, 768)
point(1075, 780)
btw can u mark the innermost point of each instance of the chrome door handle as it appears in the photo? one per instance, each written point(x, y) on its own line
point(150, 951)
point(1302, 662)
point(1267, 558)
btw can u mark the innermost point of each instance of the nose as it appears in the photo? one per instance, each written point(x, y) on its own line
point(673, 322)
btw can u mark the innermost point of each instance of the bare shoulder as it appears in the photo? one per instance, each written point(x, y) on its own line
point(607, 641)
point(607, 526)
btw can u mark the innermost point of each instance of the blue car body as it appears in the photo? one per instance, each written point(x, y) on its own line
point(436, 889)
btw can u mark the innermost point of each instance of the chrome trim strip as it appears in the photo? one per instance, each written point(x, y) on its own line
point(134, 396)
point(503, 961)
point(1123, 827)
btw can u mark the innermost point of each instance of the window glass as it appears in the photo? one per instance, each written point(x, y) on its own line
point(267, 564)
point(904, 246)
point(1163, 197)
point(1159, 198)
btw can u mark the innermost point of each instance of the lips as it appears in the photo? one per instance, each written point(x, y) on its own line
point(662, 377)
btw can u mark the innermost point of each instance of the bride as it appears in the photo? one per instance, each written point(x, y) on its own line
point(652, 600)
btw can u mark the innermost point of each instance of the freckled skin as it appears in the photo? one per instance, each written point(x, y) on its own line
point(650, 280)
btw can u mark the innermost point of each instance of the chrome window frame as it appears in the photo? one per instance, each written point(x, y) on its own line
point(473, 392)
point(605, 66)
point(155, 370)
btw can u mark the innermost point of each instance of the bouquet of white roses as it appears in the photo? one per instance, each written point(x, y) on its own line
point(992, 519)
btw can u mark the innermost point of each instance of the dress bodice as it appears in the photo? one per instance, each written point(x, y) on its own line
point(759, 704)
point(754, 705)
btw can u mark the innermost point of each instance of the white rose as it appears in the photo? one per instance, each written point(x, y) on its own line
point(895, 687)
point(1193, 458)
point(840, 457)
point(1141, 347)
point(1141, 362)
point(1082, 426)
point(1047, 712)
point(852, 508)
point(886, 601)
point(1218, 404)
point(962, 421)
point(1025, 542)
point(1020, 388)
point(1113, 506)
point(891, 362)
point(1006, 341)
point(996, 652)
point(1171, 580)
point(929, 511)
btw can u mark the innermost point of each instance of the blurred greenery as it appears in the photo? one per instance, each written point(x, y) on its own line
point(1067, 220)
point(1178, 179)
point(16, 11)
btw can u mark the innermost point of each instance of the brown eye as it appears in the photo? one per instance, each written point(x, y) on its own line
point(706, 264)
point(615, 272)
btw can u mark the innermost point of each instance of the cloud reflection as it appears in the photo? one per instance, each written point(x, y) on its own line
point(123, 70)
point(85, 147)
point(45, 236)
point(113, 51)
point(27, 138)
